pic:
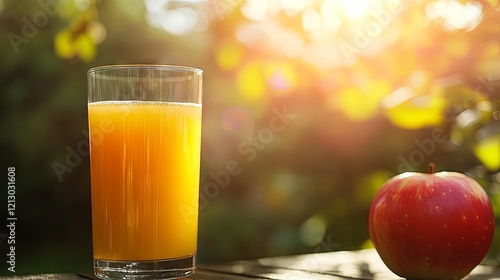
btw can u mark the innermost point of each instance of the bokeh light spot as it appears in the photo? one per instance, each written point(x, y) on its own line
point(255, 10)
point(281, 77)
point(63, 45)
point(156, 5)
point(250, 81)
point(238, 119)
point(292, 7)
point(355, 9)
point(96, 31)
point(455, 14)
point(82, 5)
point(179, 21)
point(418, 111)
point(312, 231)
point(331, 20)
point(397, 97)
point(361, 103)
point(496, 115)
point(229, 56)
point(177, 17)
point(312, 23)
point(488, 152)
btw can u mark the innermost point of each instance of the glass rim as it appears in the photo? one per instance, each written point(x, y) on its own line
point(178, 68)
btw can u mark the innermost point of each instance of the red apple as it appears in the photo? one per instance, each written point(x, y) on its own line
point(431, 226)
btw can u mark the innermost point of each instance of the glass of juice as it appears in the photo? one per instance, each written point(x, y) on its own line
point(145, 134)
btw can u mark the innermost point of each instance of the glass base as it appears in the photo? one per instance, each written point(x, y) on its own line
point(157, 269)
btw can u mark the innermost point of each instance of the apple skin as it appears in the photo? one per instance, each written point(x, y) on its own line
point(431, 226)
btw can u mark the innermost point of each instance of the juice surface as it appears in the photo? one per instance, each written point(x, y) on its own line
point(145, 165)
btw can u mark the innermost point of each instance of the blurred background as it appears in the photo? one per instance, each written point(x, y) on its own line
point(317, 102)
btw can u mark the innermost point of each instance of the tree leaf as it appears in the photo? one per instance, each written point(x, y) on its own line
point(85, 47)
point(418, 111)
point(488, 152)
point(63, 45)
point(362, 103)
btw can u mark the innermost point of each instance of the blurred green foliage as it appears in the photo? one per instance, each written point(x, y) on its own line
point(364, 92)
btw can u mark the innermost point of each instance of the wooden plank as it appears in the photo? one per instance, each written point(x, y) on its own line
point(253, 269)
point(201, 274)
point(88, 275)
point(59, 276)
point(364, 264)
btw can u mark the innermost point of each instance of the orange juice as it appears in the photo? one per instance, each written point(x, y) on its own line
point(145, 164)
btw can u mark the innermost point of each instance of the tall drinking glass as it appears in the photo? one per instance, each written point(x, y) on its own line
point(145, 130)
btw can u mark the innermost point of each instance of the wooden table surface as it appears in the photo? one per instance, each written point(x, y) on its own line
point(364, 264)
